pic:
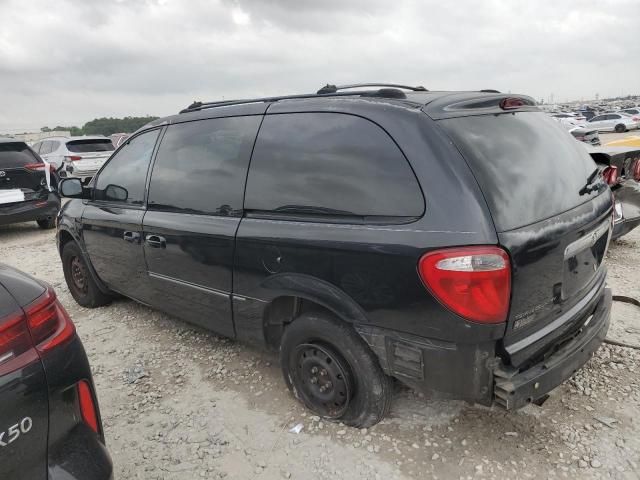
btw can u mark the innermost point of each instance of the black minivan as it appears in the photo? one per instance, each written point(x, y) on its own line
point(452, 240)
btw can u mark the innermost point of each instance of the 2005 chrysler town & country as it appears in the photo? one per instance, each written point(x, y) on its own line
point(452, 240)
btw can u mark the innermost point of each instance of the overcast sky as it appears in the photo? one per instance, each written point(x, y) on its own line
point(66, 62)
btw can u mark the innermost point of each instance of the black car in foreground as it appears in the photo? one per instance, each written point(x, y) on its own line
point(27, 189)
point(620, 166)
point(50, 425)
point(364, 234)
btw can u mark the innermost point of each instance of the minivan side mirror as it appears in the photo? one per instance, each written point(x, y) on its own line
point(72, 188)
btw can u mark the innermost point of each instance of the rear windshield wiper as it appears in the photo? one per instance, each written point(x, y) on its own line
point(590, 186)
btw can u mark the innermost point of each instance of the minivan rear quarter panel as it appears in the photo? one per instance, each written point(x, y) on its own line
point(367, 273)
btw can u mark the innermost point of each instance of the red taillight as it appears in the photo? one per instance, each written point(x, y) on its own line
point(73, 158)
point(87, 405)
point(512, 102)
point(48, 322)
point(16, 349)
point(636, 170)
point(474, 282)
point(35, 167)
point(610, 175)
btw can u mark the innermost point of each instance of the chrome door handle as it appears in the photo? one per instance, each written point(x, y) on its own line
point(156, 241)
point(133, 237)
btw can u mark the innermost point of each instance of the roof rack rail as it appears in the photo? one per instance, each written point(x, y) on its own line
point(328, 88)
point(391, 91)
point(490, 90)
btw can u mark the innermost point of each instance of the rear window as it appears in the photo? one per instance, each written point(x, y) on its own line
point(16, 155)
point(528, 166)
point(90, 145)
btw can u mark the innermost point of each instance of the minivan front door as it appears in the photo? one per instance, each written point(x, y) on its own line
point(112, 220)
point(194, 210)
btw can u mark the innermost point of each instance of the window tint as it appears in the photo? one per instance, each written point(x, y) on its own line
point(598, 118)
point(45, 147)
point(15, 155)
point(201, 166)
point(330, 163)
point(90, 145)
point(516, 159)
point(124, 177)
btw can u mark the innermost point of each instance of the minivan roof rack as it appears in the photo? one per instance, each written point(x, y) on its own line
point(490, 90)
point(328, 88)
point(392, 91)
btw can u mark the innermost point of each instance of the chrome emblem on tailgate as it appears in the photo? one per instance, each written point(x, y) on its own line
point(588, 241)
point(2, 173)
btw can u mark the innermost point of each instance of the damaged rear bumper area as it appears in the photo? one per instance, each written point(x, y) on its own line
point(514, 388)
point(38, 209)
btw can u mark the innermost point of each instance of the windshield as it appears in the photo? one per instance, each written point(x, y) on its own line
point(528, 166)
point(90, 145)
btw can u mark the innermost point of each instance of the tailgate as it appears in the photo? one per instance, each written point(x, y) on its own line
point(24, 409)
point(552, 213)
point(558, 275)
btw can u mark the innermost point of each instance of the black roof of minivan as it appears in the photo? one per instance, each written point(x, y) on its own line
point(437, 104)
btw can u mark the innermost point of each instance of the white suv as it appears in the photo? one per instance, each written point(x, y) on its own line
point(79, 157)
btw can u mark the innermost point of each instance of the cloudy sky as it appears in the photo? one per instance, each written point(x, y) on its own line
point(66, 62)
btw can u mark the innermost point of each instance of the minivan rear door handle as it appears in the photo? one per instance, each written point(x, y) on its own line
point(156, 241)
point(133, 237)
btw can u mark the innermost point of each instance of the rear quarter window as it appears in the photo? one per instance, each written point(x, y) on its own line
point(16, 155)
point(330, 164)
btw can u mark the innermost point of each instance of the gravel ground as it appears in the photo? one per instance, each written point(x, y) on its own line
point(178, 402)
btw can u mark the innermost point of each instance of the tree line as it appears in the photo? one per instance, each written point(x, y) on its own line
point(104, 126)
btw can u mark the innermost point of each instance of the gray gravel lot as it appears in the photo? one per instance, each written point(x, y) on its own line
point(181, 403)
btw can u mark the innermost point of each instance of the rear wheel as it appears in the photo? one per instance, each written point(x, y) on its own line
point(47, 223)
point(330, 369)
point(621, 128)
point(83, 288)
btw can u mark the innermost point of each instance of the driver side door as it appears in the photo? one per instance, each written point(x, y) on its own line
point(112, 219)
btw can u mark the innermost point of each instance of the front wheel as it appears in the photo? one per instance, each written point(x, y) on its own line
point(83, 288)
point(620, 128)
point(329, 368)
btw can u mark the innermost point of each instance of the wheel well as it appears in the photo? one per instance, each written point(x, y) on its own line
point(65, 237)
point(284, 310)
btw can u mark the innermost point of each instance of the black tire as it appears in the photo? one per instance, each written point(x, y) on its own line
point(47, 223)
point(80, 282)
point(620, 128)
point(365, 389)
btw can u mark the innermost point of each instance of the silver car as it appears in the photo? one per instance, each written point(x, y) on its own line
point(612, 122)
point(79, 157)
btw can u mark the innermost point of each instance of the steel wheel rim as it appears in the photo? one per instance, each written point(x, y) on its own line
point(79, 274)
point(323, 379)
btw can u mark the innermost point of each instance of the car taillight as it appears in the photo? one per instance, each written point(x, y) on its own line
point(474, 282)
point(39, 167)
point(48, 322)
point(636, 171)
point(37, 328)
point(610, 175)
point(16, 348)
point(73, 158)
point(511, 103)
point(87, 405)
